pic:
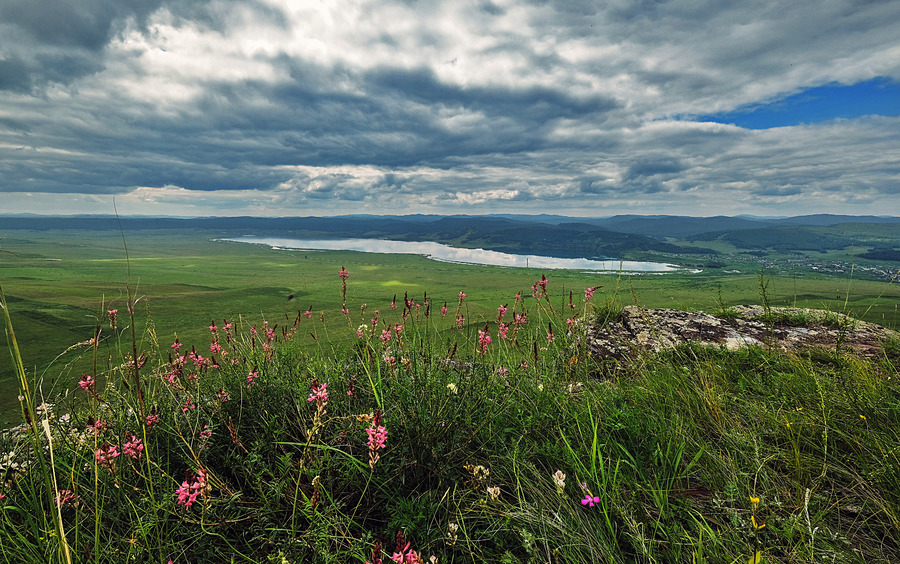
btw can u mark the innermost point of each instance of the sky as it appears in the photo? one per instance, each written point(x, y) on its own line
point(328, 107)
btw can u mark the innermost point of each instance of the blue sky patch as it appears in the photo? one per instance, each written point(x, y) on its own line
point(878, 96)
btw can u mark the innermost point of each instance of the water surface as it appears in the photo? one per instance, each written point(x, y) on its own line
point(446, 253)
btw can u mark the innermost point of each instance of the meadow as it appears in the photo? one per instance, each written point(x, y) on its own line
point(273, 415)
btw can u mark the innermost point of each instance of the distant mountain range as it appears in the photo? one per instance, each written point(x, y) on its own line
point(552, 235)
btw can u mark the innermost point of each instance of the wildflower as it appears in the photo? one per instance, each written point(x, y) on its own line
point(319, 392)
point(451, 533)
point(97, 426)
point(112, 317)
point(343, 273)
point(559, 478)
point(376, 554)
point(377, 438)
point(503, 329)
point(63, 498)
point(590, 500)
point(394, 302)
point(176, 345)
point(502, 370)
point(588, 294)
point(204, 435)
point(308, 312)
point(444, 310)
point(106, 454)
point(452, 387)
point(189, 491)
point(484, 339)
point(459, 322)
point(188, 405)
point(87, 384)
point(151, 420)
point(550, 336)
point(385, 335)
point(133, 447)
point(212, 327)
point(754, 501)
point(251, 378)
point(494, 492)
point(501, 311)
point(462, 296)
point(345, 311)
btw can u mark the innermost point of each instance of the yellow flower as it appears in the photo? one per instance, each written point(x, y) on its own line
point(758, 527)
point(754, 501)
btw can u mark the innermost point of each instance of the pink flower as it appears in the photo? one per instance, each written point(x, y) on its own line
point(212, 327)
point(444, 310)
point(112, 317)
point(484, 339)
point(503, 329)
point(87, 383)
point(385, 335)
point(106, 453)
point(503, 371)
point(308, 313)
point(176, 345)
point(222, 395)
point(588, 294)
point(189, 491)
point(188, 404)
point(377, 437)
point(204, 436)
point(461, 296)
point(134, 447)
point(459, 322)
point(343, 274)
point(319, 392)
point(501, 311)
point(251, 378)
point(63, 497)
point(152, 420)
point(589, 500)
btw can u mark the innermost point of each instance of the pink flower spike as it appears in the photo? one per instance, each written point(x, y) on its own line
point(343, 274)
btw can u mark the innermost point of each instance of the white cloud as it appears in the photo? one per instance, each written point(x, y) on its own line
point(282, 106)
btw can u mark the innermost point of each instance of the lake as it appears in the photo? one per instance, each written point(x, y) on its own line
point(446, 253)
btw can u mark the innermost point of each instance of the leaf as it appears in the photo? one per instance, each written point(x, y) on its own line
point(756, 558)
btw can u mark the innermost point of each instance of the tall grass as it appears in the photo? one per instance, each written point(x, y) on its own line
point(504, 443)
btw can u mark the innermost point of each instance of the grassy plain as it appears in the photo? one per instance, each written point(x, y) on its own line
point(508, 450)
point(60, 285)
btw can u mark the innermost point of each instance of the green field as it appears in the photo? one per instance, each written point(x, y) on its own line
point(516, 449)
point(60, 284)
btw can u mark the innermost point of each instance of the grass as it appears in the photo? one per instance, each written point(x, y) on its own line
point(251, 442)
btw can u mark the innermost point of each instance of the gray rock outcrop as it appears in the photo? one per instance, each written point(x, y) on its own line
point(637, 329)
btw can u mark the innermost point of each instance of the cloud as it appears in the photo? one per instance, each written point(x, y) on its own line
point(447, 107)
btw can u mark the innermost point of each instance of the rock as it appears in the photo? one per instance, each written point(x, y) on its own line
point(637, 329)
